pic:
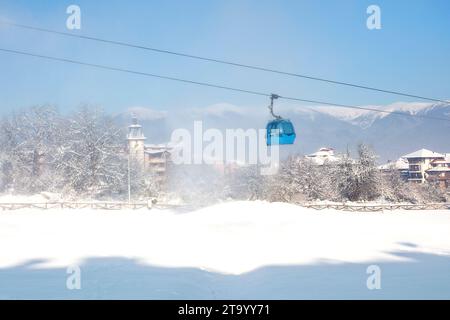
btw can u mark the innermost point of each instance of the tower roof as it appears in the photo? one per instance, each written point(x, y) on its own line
point(135, 131)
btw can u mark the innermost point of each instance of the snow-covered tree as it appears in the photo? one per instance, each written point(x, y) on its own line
point(7, 143)
point(28, 143)
point(143, 183)
point(93, 157)
point(249, 184)
point(301, 179)
point(428, 193)
point(344, 177)
point(359, 179)
point(394, 188)
point(367, 174)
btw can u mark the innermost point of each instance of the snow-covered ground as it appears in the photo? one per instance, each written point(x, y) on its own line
point(241, 250)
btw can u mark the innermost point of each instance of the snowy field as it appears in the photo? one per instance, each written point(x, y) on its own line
point(235, 250)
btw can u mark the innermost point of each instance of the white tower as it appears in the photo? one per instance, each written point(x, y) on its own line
point(136, 141)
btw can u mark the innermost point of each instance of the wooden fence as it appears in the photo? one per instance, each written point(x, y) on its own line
point(148, 205)
point(379, 207)
point(83, 205)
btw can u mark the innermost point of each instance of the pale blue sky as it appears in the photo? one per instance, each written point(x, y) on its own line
point(320, 38)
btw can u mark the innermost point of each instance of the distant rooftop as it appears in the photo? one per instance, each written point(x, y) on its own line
point(324, 154)
point(157, 148)
point(424, 153)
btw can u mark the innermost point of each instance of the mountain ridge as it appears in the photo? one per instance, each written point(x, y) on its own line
point(391, 135)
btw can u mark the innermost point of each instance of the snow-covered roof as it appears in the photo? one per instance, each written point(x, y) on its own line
point(440, 161)
point(439, 169)
point(156, 148)
point(423, 153)
point(324, 154)
point(155, 151)
point(400, 164)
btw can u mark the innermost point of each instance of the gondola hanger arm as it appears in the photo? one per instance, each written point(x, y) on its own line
point(273, 97)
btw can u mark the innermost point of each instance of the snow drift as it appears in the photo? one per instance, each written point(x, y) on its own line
point(232, 238)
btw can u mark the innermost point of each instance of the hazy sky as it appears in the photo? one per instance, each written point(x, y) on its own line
point(320, 38)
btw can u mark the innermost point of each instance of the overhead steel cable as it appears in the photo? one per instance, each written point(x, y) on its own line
point(99, 66)
point(225, 62)
point(211, 85)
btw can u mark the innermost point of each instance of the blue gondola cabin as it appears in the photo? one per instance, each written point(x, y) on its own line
point(280, 131)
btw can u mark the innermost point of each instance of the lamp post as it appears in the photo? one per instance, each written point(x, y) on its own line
point(129, 178)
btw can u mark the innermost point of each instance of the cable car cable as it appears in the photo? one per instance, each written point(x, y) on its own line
point(207, 84)
point(231, 63)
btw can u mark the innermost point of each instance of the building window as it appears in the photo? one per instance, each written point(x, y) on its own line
point(416, 176)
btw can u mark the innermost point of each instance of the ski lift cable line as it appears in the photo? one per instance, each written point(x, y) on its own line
point(211, 85)
point(225, 62)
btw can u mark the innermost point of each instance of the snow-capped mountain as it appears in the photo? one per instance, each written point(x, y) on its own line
point(391, 135)
point(365, 118)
